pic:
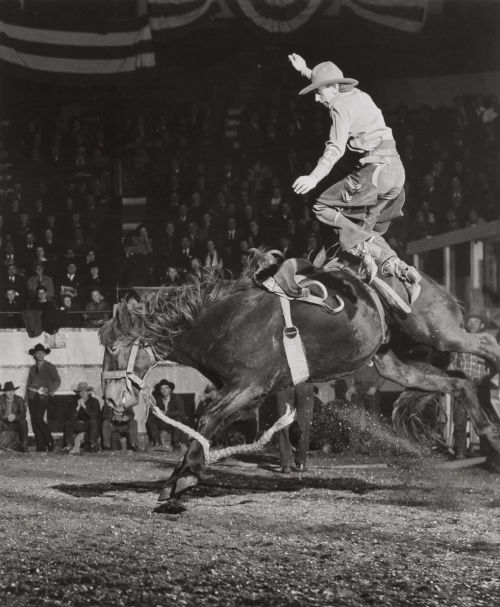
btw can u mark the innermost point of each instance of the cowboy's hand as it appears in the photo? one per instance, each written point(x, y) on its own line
point(298, 62)
point(304, 184)
point(325, 214)
point(11, 417)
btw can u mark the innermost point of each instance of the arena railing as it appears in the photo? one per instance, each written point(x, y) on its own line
point(464, 261)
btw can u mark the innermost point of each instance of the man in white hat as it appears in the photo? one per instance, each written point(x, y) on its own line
point(360, 206)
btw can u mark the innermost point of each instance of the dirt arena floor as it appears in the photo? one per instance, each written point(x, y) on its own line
point(400, 531)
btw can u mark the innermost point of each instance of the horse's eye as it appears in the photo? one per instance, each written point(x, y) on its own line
point(112, 349)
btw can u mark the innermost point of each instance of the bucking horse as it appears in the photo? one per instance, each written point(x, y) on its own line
point(233, 333)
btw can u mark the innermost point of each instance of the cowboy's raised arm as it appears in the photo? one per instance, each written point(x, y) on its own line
point(300, 65)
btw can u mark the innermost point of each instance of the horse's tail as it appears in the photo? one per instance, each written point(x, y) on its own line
point(420, 416)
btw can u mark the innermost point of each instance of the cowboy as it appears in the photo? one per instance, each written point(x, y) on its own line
point(13, 414)
point(43, 382)
point(85, 419)
point(171, 405)
point(361, 205)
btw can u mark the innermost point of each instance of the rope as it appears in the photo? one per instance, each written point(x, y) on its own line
point(213, 456)
point(285, 420)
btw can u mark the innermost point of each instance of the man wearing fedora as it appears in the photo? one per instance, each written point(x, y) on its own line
point(84, 420)
point(43, 382)
point(13, 415)
point(360, 206)
point(171, 405)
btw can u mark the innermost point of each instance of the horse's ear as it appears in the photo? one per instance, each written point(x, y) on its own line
point(123, 316)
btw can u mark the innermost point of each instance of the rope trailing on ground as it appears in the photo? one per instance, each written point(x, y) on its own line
point(213, 456)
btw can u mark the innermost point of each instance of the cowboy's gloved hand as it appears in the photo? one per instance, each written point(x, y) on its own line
point(304, 184)
point(11, 417)
point(298, 62)
point(325, 214)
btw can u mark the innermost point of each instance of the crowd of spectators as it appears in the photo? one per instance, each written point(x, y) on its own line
point(212, 194)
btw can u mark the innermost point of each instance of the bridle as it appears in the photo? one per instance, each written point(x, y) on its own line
point(128, 374)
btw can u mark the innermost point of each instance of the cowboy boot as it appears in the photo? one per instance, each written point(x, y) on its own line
point(364, 250)
point(408, 275)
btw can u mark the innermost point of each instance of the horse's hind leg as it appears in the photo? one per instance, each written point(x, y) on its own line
point(215, 416)
point(435, 322)
point(409, 376)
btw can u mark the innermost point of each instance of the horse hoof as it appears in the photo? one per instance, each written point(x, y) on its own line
point(285, 469)
point(180, 486)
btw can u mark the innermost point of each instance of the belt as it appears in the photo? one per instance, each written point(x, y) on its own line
point(382, 154)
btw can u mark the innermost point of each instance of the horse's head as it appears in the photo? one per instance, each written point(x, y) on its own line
point(127, 358)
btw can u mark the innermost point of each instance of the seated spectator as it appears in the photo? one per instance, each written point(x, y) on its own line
point(15, 281)
point(99, 309)
point(172, 278)
point(196, 272)
point(213, 259)
point(49, 245)
point(84, 421)
point(40, 279)
point(94, 280)
point(13, 425)
point(69, 317)
point(116, 426)
point(27, 250)
point(9, 255)
point(41, 302)
point(142, 242)
point(171, 405)
point(11, 306)
point(70, 282)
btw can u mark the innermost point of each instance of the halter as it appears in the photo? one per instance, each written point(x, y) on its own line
point(128, 374)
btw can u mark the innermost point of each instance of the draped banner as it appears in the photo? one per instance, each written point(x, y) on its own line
point(170, 14)
point(69, 53)
point(278, 16)
point(406, 15)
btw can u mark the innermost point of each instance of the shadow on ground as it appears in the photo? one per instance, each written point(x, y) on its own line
point(223, 483)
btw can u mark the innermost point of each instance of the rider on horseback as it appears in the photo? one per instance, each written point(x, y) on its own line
point(361, 205)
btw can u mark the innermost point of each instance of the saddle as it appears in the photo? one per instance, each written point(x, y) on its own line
point(290, 279)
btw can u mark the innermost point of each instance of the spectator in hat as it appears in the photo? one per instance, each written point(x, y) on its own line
point(171, 405)
point(13, 418)
point(43, 382)
point(84, 421)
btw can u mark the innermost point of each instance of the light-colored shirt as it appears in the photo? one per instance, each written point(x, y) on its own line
point(355, 120)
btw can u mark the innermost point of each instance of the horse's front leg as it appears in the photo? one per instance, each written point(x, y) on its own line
point(215, 416)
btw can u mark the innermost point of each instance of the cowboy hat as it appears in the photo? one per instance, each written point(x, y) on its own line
point(165, 382)
point(83, 385)
point(39, 348)
point(324, 74)
point(9, 386)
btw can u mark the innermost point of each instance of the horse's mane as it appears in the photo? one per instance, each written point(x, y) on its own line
point(161, 315)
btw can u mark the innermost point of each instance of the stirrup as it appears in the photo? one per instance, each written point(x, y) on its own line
point(368, 267)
